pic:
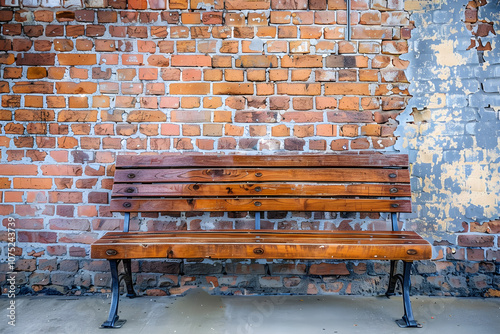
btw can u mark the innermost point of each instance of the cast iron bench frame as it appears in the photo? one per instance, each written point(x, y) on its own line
point(370, 182)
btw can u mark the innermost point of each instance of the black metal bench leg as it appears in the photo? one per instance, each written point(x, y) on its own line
point(113, 321)
point(407, 320)
point(127, 277)
point(393, 279)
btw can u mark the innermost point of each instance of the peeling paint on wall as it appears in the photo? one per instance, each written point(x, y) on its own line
point(452, 126)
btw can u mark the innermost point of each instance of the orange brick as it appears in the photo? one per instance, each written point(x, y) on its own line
point(212, 75)
point(36, 73)
point(326, 130)
point(191, 130)
point(302, 116)
point(301, 75)
point(277, 46)
point(67, 142)
point(32, 183)
point(302, 61)
point(191, 75)
point(76, 88)
point(18, 169)
point(212, 102)
point(299, 89)
point(190, 102)
point(191, 18)
point(28, 115)
point(69, 170)
point(233, 130)
point(56, 101)
point(278, 75)
point(11, 196)
point(68, 59)
point(30, 87)
point(78, 73)
point(233, 75)
point(222, 116)
point(233, 89)
point(349, 130)
point(77, 116)
point(205, 144)
point(266, 32)
point(78, 102)
point(347, 89)
point(190, 88)
point(302, 131)
point(33, 101)
point(349, 103)
point(146, 116)
point(280, 131)
point(191, 60)
point(100, 101)
point(264, 89)
point(257, 61)
point(256, 75)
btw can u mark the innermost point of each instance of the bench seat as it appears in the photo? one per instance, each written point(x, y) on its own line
point(264, 244)
point(166, 183)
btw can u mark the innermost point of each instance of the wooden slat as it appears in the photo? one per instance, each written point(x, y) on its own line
point(263, 175)
point(259, 189)
point(260, 204)
point(264, 245)
point(306, 160)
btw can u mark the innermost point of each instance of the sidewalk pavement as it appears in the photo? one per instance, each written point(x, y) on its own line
point(199, 312)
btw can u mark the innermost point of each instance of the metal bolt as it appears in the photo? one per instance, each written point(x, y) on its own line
point(258, 189)
point(258, 203)
point(131, 175)
point(258, 251)
point(258, 174)
point(130, 190)
point(127, 205)
point(394, 190)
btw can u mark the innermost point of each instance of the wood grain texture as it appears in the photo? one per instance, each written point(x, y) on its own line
point(263, 175)
point(364, 245)
point(259, 204)
point(306, 160)
point(259, 189)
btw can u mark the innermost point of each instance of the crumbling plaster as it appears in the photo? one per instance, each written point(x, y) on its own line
point(451, 125)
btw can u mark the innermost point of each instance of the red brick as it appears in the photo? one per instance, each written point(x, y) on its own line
point(475, 240)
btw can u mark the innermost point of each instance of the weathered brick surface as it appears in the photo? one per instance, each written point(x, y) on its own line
point(81, 85)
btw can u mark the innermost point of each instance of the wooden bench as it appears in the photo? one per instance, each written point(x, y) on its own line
point(344, 182)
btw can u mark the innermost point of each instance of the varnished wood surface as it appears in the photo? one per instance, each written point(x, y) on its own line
point(264, 244)
point(259, 189)
point(262, 174)
point(260, 204)
point(306, 160)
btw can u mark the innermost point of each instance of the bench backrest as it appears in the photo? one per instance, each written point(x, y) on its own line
point(371, 182)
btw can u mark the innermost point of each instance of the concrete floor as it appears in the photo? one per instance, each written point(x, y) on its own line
point(199, 312)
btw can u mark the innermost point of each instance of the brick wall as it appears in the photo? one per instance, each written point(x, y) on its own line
point(83, 83)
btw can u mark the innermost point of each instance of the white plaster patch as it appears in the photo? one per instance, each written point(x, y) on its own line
point(445, 54)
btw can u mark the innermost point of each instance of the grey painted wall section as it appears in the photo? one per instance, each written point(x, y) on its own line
point(451, 126)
